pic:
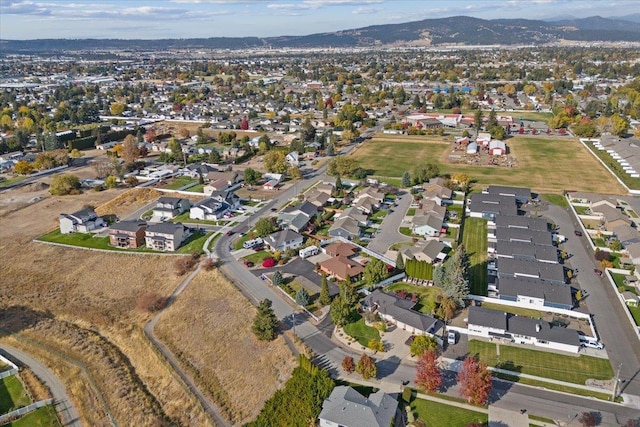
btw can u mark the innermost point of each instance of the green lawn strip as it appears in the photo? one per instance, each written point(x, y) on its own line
point(406, 231)
point(425, 294)
point(474, 238)
point(443, 415)
point(633, 183)
point(361, 332)
point(199, 188)
point(631, 213)
point(556, 199)
point(599, 242)
point(619, 281)
point(12, 394)
point(635, 313)
point(552, 386)
point(378, 215)
point(180, 182)
point(41, 417)
point(573, 369)
point(411, 211)
point(11, 181)
point(257, 257)
point(581, 210)
point(194, 243)
point(397, 246)
point(542, 419)
point(250, 203)
point(452, 233)
point(212, 243)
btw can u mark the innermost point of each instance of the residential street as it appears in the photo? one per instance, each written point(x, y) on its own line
point(613, 328)
point(389, 233)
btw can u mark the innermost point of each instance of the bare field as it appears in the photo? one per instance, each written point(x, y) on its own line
point(240, 372)
point(546, 164)
point(73, 303)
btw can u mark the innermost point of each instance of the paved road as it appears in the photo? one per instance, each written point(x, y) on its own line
point(389, 233)
point(621, 343)
point(63, 404)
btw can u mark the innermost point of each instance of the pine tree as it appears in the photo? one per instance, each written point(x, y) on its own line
point(400, 261)
point(265, 324)
point(325, 298)
point(302, 297)
point(277, 278)
point(406, 179)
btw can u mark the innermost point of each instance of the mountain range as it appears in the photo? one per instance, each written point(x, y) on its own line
point(456, 30)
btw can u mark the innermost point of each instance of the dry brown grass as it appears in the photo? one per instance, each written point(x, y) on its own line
point(222, 354)
point(37, 389)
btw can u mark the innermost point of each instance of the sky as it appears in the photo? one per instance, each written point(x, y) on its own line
point(155, 19)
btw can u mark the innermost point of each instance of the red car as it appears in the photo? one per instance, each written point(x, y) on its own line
point(597, 272)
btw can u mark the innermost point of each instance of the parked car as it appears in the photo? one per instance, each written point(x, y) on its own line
point(577, 233)
point(229, 233)
point(593, 344)
point(451, 337)
point(597, 272)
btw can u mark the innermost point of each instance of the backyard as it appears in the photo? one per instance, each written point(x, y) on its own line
point(12, 394)
point(427, 295)
point(41, 417)
point(443, 415)
point(538, 158)
point(573, 369)
point(474, 238)
point(180, 182)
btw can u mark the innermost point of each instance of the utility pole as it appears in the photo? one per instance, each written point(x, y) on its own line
point(615, 384)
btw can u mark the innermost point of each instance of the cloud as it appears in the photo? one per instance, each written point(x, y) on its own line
point(366, 10)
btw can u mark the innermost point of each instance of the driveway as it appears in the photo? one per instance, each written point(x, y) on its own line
point(609, 317)
point(389, 233)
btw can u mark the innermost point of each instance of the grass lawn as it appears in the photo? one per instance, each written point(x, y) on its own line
point(378, 215)
point(11, 181)
point(238, 243)
point(543, 363)
point(199, 188)
point(633, 183)
point(361, 332)
point(87, 240)
point(406, 231)
point(556, 199)
point(12, 394)
point(631, 213)
point(474, 238)
point(425, 294)
point(635, 312)
point(180, 182)
point(552, 386)
point(41, 417)
point(4, 367)
point(257, 257)
point(538, 157)
point(442, 415)
point(452, 233)
point(411, 211)
point(250, 203)
point(581, 210)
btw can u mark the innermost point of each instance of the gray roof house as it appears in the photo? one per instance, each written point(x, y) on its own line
point(521, 330)
point(517, 249)
point(522, 267)
point(523, 235)
point(81, 221)
point(530, 223)
point(488, 206)
point(361, 218)
point(344, 227)
point(535, 292)
point(427, 250)
point(283, 240)
point(399, 311)
point(348, 408)
point(169, 207)
point(429, 225)
point(209, 209)
point(165, 236)
point(228, 197)
point(297, 217)
point(521, 194)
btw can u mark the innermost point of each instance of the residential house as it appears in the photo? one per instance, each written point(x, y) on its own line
point(428, 219)
point(283, 240)
point(434, 190)
point(525, 222)
point(354, 213)
point(535, 292)
point(400, 312)
point(611, 217)
point(340, 249)
point(525, 330)
point(195, 170)
point(228, 197)
point(325, 187)
point(489, 206)
point(317, 197)
point(270, 185)
point(169, 207)
point(82, 221)
point(515, 249)
point(531, 268)
point(165, 236)
point(293, 158)
point(521, 194)
point(345, 407)
point(345, 227)
point(431, 251)
point(342, 268)
point(523, 235)
point(209, 209)
point(221, 181)
point(127, 234)
point(297, 217)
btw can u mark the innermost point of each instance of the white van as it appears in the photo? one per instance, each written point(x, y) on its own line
point(252, 243)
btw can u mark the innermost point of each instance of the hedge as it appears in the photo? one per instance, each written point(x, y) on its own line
point(82, 143)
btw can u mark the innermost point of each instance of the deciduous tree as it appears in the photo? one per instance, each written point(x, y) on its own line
point(265, 226)
point(64, 184)
point(251, 176)
point(130, 150)
point(423, 343)
point(23, 167)
point(429, 375)
point(276, 162)
point(366, 367)
point(475, 381)
point(375, 271)
point(265, 324)
point(348, 364)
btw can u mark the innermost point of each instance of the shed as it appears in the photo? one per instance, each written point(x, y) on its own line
point(497, 148)
point(472, 148)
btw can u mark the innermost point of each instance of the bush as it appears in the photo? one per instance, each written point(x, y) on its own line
point(208, 264)
point(151, 302)
point(184, 264)
point(348, 364)
point(111, 181)
point(602, 255)
point(65, 184)
point(268, 262)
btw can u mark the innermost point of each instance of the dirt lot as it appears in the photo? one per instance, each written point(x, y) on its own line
point(77, 311)
point(221, 349)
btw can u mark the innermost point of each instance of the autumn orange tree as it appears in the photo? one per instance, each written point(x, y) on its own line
point(429, 375)
point(367, 367)
point(475, 381)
